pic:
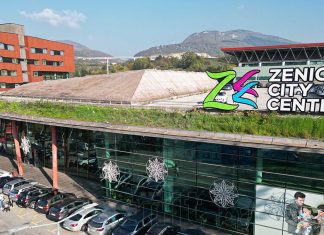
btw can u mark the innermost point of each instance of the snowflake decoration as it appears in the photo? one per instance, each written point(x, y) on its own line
point(110, 171)
point(223, 193)
point(25, 145)
point(275, 205)
point(156, 169)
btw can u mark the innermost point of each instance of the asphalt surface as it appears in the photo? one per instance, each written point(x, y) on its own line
point(21, 218)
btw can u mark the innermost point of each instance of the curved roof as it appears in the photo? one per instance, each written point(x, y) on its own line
point(285, 46)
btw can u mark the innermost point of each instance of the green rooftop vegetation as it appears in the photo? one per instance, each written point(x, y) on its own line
point(268, 124)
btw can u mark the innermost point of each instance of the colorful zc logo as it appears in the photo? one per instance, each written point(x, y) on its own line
point(225, 78)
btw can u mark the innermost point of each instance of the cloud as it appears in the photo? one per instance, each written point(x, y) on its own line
point(70, 18)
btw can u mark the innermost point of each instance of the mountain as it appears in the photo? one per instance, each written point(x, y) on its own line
point(210, 42)
point(83, 51)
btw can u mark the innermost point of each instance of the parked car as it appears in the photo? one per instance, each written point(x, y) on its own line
point(4, 173)
point(9, 186)
point(7, 179)
point(105, 222)
point(221, 97)
point(85, 161)
point(79, 220)
point(63, 209)
point(44, 204)
point(163, 228)
point(15, 193)
point(30, 197)
point(136, 224)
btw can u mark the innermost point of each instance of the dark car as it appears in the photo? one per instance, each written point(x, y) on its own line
point(44, 204)
point(137, 224)
point(30, 197)
point(66, 207)
point(163, 229)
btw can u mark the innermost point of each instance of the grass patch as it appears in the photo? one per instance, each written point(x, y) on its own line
point(269, 124)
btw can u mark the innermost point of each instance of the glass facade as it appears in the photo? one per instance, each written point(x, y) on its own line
point(266, 179)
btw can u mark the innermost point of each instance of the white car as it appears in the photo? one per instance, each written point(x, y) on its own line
point(221, 97)
point(79, 220)
point(5, 173)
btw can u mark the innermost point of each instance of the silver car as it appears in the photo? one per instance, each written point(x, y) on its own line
point(78, 221)
point(105, 222)
point(14, 194)
point(8, 187)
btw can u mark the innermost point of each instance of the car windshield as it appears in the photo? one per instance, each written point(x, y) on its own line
point(7, 186)
point(76, 217)
point(129, 225)
point(95, 224)
point(42, 202)
point(15, 191)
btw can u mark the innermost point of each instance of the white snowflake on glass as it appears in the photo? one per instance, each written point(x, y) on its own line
point(156, 169)
point(275, 205)
point(25, 145)
point(110, 171)
point(223, 193)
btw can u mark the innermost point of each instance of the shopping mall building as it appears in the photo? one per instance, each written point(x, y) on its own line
point(234, 183)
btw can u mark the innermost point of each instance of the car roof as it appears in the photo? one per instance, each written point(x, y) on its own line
point(12, 182)
point(139, 215)
point(24, 186)
point(83, 210)
point(103, 216)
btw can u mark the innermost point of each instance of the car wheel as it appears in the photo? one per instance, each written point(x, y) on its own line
point(84, 228)
point(32, 205)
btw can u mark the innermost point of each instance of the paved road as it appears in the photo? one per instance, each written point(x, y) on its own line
point(21, 217)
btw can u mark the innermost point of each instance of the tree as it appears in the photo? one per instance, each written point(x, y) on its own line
point(142, 63)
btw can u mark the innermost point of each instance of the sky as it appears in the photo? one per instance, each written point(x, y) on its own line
point(125, 27)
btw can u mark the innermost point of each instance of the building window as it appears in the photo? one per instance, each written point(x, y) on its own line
point(1, 45)
point(2, 85)
point(1, 59)
point(38, 50)
point(35, 74)
point(10, 47)
point(4, 73)
point(13, 73)
point(61, 63)
point(36, 62)
point(54, 63)
point(55, 52)
point(43, 62)
point(15, 61)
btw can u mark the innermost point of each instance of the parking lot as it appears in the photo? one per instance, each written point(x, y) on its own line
point(22, 218)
